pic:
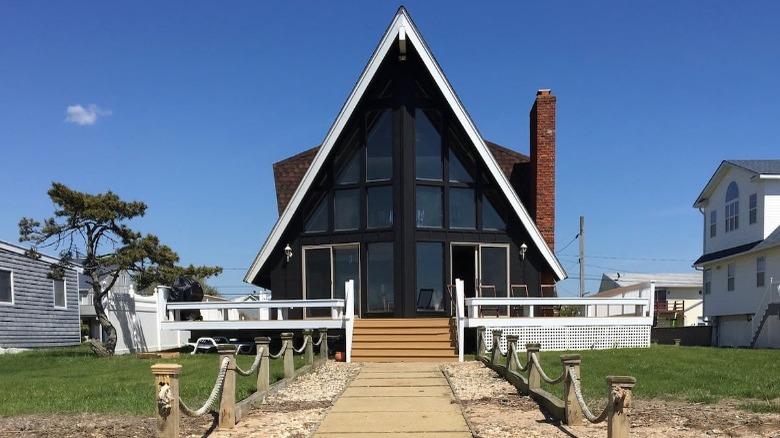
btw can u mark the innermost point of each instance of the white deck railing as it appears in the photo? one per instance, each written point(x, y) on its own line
point(342, 315)
point(605, 322)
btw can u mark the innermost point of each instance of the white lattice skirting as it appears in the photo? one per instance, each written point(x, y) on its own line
point(563, 338)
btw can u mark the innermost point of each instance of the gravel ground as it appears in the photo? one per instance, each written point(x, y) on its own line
point(494, 409)
point(296, 410)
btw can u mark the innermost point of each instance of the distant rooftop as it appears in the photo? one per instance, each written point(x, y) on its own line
point(622, 279)
point(764, 167)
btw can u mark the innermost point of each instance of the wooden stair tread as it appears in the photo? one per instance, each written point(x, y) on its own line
point(403, 340)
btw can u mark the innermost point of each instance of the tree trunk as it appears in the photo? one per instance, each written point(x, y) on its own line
point(107, 348)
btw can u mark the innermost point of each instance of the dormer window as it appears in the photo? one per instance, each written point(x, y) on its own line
point(732, 207)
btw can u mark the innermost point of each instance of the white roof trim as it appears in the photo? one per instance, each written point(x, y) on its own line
point(402, 20)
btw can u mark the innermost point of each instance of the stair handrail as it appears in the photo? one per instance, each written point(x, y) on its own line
point(758, 315)
point(459, 315)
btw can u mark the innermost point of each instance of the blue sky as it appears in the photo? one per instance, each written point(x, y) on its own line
point(185, 106)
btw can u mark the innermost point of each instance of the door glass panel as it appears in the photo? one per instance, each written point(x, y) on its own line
point(379, 283)
point(346, 212)
point(429, 206)
point(317, 278)
point(379, 207)
point(430, 277)
point(346, 266)
point(493, 270)
point(427, 147)
point(379, 146)
point(463, 208)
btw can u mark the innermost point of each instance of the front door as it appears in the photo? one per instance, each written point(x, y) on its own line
point(483, 268)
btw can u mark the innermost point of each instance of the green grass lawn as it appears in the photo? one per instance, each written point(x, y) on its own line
point(692, 374)
point(73, 379)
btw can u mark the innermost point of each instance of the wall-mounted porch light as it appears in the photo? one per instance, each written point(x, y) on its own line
point(523, 249)
point(288, 252)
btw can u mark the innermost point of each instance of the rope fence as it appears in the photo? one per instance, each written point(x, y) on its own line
point(527, 378)
point(170, 406)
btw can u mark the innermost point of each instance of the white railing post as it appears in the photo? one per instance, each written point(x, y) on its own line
point(459, 318)
point(349, 315)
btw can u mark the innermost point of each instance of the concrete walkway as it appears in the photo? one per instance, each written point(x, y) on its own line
point(392, 398)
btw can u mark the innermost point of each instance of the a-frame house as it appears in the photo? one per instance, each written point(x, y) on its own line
point(404, 196)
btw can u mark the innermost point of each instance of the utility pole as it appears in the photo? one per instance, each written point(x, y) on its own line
point(582, 256)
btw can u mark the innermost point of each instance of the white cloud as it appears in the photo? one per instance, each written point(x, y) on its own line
point(85, 116)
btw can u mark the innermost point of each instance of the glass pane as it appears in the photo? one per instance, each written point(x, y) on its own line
point(346, 212)
point(430, 277)
point(429, 206)
point(379, 147)
point(491, 218)
point(318, 221)
point(346, 264)
point(380, 207)
point(463, 208)
point(350, 173)
point(59, 293)
point(427, 147)
point(380, 277)
point(317, 278)
point(5, 286)
point(458, 172)
point(493, 270)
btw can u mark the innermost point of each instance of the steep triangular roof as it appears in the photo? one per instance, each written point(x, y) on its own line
point(759, 168)
point(403, 27)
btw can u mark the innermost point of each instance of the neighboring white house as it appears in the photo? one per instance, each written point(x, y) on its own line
point(135, 317)
point(741, 257)
point(678, 297)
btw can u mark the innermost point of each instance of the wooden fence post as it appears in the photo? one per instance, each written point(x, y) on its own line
point(167, 416)
point(571, 363)
point(534, 378)
point(262, 345)
point(324, 343)
point(481, 342)
point(289, 365)
point(496, 353)
point(619, 402)
point(227, 404)
point(309, 350)
point(511, 350)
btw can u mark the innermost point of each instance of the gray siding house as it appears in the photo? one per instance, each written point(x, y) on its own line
point(36, 310)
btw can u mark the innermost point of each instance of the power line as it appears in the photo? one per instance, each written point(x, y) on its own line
point(567, 245)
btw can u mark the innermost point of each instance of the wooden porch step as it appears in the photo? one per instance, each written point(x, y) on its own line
point(406, 337)
point(403, 340)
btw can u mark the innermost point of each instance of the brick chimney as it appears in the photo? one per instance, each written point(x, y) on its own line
point(543, 164)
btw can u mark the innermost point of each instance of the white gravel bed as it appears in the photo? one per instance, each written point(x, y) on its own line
point(297, 409)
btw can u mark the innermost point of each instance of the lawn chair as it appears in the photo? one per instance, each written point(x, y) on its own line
point(517, 291)
point(488, 291)
point(424, 298)
point(548, 291)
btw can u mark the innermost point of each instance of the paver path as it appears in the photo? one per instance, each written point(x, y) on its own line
point(391, 398)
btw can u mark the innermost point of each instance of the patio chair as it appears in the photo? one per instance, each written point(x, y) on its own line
point(488, 291)
point(424, 298)
point(548, 291)
point(517, 291)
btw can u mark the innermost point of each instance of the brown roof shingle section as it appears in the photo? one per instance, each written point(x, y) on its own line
point(289, 172)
